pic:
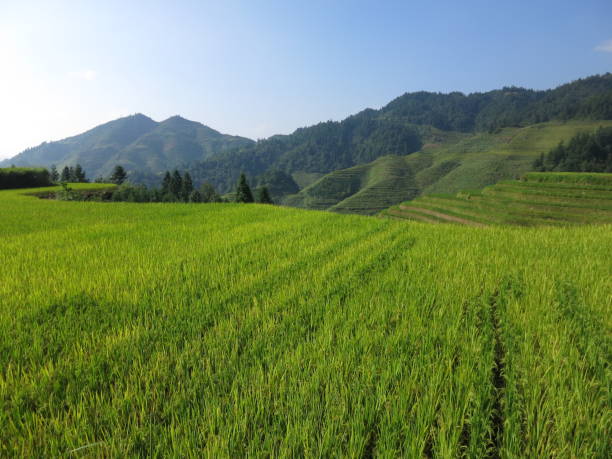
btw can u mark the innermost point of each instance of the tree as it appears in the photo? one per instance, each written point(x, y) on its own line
point(71, 174)
point(583, 153)
point(168, 197)
point(65, 177)
point(208, 193)
point(278, 182)
point(195, 196)
point(118, 176)
point(263, 196)
point(79, 174)
point(176, 184)
point(166, 183)
point(243, 191)
point(53, 175)
point(187, 187)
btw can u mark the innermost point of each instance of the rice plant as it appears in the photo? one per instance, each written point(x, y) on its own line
point(236, 330)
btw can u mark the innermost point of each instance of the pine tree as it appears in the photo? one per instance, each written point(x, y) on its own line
point(263, 196)
point(79, 174)
point(166, 183)
point(71, 174)
point(65, 177)
point(187, 187)
point(243, 191)
point(53, 175)
point(118, 176)
point(176, 184)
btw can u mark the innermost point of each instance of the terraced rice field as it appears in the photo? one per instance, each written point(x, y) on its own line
point(537, 199)
point(448, 163)
point(227, 330)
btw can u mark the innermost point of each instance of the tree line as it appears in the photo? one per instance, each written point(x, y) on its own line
point(585, 152)
point(23, 177)
point(588, 98)
point(71, 174)
point(177, 187)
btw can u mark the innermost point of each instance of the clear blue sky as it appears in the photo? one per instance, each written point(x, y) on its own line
point(257, 68)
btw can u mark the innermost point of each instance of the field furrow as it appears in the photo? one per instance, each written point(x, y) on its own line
point(249, 330)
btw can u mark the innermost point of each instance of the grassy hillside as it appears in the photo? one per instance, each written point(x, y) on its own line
point(536, 199)
point(448, 162)
point(247, 330)
point(360, 189)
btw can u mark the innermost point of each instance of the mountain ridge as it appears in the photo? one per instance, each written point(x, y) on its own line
point(412, 125)
point(391, 130)
point(137, 142)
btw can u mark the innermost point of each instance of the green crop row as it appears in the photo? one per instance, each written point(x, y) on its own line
point(537, 199)
point(230, 330)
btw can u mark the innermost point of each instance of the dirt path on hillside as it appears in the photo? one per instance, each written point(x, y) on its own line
point(450, 218)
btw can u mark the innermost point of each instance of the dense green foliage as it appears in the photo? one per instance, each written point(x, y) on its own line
point(118, 176)
point(321, 148)
point(53, 174)
point(585, 152)
point(208, 193)
point(174, 188)
point(142, 146)
point(277, 182)
point(589, 98)
point(263, 196)
point(24, 177)
point(72, 174)
point(243, 191)
point(244, 331)
point(536, 199)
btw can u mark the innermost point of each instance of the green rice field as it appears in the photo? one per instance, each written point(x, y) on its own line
point(230, 330)
point(537, 199)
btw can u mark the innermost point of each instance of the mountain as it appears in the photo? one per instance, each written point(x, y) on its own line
point(449, 162)
point(418, 143)
point(444, 131)
point(588, 98)
point(143, 146)
point(313, 151)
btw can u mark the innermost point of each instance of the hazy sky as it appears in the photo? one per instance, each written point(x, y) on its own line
point(258, 68)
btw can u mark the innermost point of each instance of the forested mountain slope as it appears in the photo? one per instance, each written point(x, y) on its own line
point(408, 124)
point(143, 146)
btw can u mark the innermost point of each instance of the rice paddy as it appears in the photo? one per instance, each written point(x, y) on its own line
point(537, 199)
point(229, 330)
